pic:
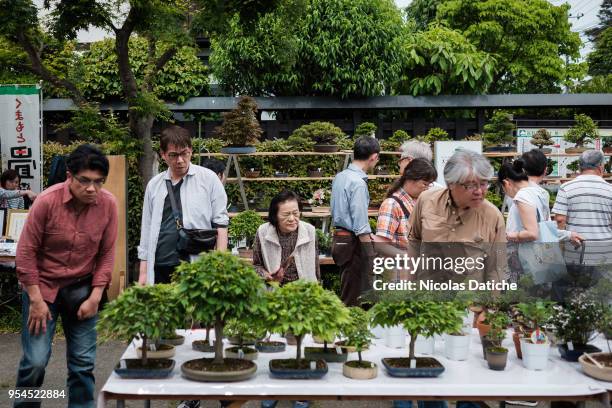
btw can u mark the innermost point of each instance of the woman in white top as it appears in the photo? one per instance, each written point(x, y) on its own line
point(530, 207)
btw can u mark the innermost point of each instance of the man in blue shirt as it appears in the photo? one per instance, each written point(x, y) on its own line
point(352, 242)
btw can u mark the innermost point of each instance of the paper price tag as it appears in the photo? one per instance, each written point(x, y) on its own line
point(313, 365)
point(413, 363)
point(241, 354)
point(122, 364)
point(570, 346)
point(152, 347)
point(338, 350)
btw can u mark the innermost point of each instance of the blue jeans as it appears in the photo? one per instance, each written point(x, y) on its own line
point(80, 353)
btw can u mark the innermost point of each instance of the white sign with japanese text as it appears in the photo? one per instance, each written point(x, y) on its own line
point(21, 133)
point(444, 150)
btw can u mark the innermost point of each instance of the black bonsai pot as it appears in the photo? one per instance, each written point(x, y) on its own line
point(579, 349)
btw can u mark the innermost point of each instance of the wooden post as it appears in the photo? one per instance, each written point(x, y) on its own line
point(116, 183)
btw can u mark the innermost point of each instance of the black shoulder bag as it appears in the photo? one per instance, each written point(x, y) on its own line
point(404, 209)
point(190, 241)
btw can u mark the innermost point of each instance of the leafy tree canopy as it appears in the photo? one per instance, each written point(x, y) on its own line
point(528, 38)
point(600, 59)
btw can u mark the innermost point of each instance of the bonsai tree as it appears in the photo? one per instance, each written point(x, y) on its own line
point(303, 307)
point(584, 131)
point(577, 320)
point(240, 126)
point(322, 133)
point(244, 331)
point(357, 331)
point(534, 315)
point(499, 129)
point(244, 226)
point(573, 166)
point(144, 312)
point(419, 317)
point(435, 134)
point(542, 138)
point(217, 287)
point(324, 241)
point(365, 129)
point(499, 321)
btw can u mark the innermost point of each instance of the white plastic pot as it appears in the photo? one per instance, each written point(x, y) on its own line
point(395, 337)
point(457, 348)
point(535, 356)
point(424, 345)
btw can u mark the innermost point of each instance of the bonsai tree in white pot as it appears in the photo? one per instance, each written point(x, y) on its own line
point(419, 317)
point(302, 307)
point(145, 313)
point(534, 345)
point(216, 288)
point(358, 336)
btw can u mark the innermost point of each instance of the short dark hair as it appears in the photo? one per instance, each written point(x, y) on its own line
point(514, 171)
point(534, 162)
point(285, 195)
point(174, 135)
point(87, 157)
point(364, 147)
point(216, 165)
point(8, 175)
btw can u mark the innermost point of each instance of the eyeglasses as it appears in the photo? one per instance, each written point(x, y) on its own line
point(401, 159)
point(287, 215)
point(85, 182)
point(475, 186)
point(185, 154)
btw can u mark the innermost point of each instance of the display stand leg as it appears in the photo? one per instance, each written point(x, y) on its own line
point(240, 183)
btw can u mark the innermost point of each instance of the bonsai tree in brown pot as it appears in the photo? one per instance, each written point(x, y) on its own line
point(542, 138)
point(358, 337)
point(495, 354)
point(583, 132)
point(240, 127)
point(324, 134)
point(217, 287)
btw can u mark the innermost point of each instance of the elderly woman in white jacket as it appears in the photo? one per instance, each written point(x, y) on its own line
point(286, 248)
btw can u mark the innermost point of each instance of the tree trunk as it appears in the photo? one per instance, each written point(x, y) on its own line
point(141, 128)
point(218, 342)
point(325, 346)
point(299, 349)
point(359, 355)
point(144, 350)
point(207, 339)
point(413, 337)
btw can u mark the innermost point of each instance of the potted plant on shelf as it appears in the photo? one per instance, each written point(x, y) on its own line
point(531, 317)
point(576, 322)
point(534, 348)
point(320, 198)
point(606, 142)
point(583, 132)
point(143, 312)
point(260, 321)
point(498, 133)
point(240, 127)
point(324, 241)
point(323, 134)
point(204, 345)
point(419, 317)
point(457, 342)
point(434, 134)
point(218, 287)
point(365, 129)
point(573, 168)
point(303, 307)
point(542, 138)
point(242, 334)
point(244, 227)
point(252, 166)
point(358, 338)
point(315, 172)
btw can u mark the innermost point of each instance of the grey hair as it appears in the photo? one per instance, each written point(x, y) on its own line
point(465, 164)
point(416, 150)
point(591, 159)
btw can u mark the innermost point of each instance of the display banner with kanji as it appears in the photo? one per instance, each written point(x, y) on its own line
point(20, 133)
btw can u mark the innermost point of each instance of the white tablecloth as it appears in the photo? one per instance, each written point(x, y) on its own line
point(460, 379)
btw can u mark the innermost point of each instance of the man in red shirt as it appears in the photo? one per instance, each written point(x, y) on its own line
point(69, 238)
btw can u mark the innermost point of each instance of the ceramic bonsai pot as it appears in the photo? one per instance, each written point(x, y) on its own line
point(326, 148)
point(573, 150)
point(486, 344)
point(483, 329)
point(579, 349)
point(203, 369)
point(245, 253)
point(176, 340)
point(425, 367)
point(248, 353)
point(457, 347)
point(203, 346)
point(601, 373)
point(535, 356)
point(357, 370)
point(331, 355)
point(315, 173)
point(270, 346)
point(162, 351)
point(155, 368)
point(238, 149)
point(252, 173)
point(235, 341)
point(497, 358)
point(288, 369)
